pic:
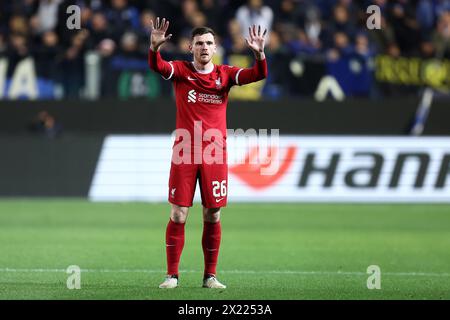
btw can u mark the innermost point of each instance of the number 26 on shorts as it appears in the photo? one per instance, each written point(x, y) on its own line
point(219, 188)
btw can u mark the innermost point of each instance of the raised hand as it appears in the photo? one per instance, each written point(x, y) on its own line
point(256, 40)
point(158, 33)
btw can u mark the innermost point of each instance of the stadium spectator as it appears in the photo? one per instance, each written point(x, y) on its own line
point(298, 42)
point(129, 46)
point(362, 46)
point(427, 49)
point(278, 57)
point(184, 45)
point(3, 45)
point(45, 124)
point(393, 50)
point(406, 28)
point(255, 13)
point(197, 19)
point(313, 26)
point(441, 36)
point(189, 13)
point(341, 47)
point(238, 46)
point(290, 11)
point(214, 14)
point(441, 6)
point(18, 49)
point(46, 16)
point(106, 48)
point(233, 31)
point(341, 23)
point(425, 16)
point(73, 65)
point(143, 31)
point(122, 17)
point(351, 8)
point(99, 30)
point(48, 56)
point(361, 66)
point(310, 29)
point(188, 8)
point(18, 24)
point(383, 37)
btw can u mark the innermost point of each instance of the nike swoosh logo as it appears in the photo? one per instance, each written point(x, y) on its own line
point(211, 249)
point(192, 79)
point(218, 200)
point(170, 245)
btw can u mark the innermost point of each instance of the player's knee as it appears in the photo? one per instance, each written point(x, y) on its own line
point(178, 214)
point(211, 214)
point(178, 217)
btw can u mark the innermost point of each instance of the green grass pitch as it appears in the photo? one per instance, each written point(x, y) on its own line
point(269, 251)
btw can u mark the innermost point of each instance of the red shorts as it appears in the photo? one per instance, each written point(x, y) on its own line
point(213, 181)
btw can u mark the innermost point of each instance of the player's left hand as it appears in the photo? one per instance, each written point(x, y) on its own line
point(256, 40)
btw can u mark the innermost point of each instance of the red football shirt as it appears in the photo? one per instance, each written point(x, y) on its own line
point(203, 96)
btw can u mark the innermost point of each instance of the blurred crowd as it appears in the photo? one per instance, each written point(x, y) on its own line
point(321, 29)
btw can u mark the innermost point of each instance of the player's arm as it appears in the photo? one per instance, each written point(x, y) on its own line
point(255, 42)
point(157, 39)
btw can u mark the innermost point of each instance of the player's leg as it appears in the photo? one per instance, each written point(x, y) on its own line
point(183, 179)
point(212, 233)
point(211, 237)
point(174, 244)
point(213, 187)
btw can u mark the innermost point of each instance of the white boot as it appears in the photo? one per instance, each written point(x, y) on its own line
point(212, 282)
point(169, 283)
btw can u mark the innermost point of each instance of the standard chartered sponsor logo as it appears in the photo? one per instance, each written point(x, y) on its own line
point(192, 96)
point(209, 98)
point(204, 97)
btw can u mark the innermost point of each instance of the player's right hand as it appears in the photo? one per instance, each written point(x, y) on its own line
point(158, 33)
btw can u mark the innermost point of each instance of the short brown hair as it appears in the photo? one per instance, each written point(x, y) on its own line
point(202, 30)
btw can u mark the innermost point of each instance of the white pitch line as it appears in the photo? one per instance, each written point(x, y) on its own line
point(297, 272)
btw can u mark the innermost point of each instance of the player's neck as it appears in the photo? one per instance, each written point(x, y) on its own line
point(203, 68)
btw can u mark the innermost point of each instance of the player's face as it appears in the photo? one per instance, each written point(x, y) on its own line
point(203, 48)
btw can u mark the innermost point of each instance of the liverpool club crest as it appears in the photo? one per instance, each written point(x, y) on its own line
point(218, 84)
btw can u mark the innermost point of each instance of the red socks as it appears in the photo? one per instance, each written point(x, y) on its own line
point(175, 242)
point(174, 246)
point(211, 243)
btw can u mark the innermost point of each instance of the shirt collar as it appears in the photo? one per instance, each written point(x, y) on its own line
point(203, 71)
